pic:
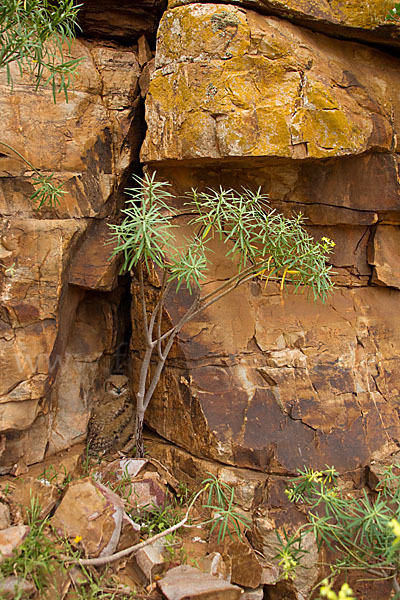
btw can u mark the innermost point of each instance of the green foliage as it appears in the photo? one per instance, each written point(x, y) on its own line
point(361, 532)
point(155, 519)
point(47, 192)
point(58, 478)
point(36, 557)
point(394, 13)
point(220, 499)
point(34, 34)
point(262, 241)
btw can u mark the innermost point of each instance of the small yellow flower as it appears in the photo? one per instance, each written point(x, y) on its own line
point(77, 539)
point(395, 527)
point(328, 242)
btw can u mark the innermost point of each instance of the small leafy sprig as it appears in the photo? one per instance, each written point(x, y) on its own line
point(36, 34)
point(221, 500)
point(47, 191)
point(394, 13)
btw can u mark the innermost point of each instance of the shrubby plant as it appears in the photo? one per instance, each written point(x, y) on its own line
point(36, 35)
point(363, 533)
point(261, 243)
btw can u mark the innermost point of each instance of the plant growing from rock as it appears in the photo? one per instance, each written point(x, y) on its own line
point(36, 35)
point(363, 533)
point(226, 516)
point(261, 243)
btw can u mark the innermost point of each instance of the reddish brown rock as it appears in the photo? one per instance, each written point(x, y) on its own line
point(215, 565)
point(243, 406)
point(41, 491)
point(245, 568)
point(147, 491)
point(126, 20)
point(11, 538)
point(130, 533)
point(150, 561)
point(385, 256)
point(188, 583)
point(88, 143)
point(93, 513)
point(91, 268)
point(5, 516)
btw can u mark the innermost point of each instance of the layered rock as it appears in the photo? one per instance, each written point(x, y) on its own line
point(348, 18)
point(240, 95)
point(265, 379)
point(56, 342)
point(222, 71)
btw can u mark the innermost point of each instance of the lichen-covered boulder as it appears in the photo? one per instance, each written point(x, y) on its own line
point(343, 18)
point(232, 83)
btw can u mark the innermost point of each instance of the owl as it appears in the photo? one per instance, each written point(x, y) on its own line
point(112, 420)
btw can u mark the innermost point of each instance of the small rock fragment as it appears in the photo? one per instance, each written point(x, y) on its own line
point(11, 538)
point(11, 586)
point(92, 512)
point(5, 516)
point(215, 565)
point(147, 492)
point(144, 52)
point(246, 568)
point(130, 533)
point(123, 469)
point(45, 493)
point(188, 583)
point(150, 561)
point(256, 594)
point(19, 468)
point(270, 574)
point(145, 77)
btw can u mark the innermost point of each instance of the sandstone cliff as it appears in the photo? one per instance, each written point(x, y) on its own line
point(298, 97)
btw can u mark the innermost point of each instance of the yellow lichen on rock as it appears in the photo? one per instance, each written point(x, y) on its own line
point(352, 17)
point(230, 82)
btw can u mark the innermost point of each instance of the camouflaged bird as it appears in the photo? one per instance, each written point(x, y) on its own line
point(112, 420)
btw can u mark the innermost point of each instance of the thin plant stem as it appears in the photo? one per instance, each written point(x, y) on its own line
point(21, 156)
point(104, 560)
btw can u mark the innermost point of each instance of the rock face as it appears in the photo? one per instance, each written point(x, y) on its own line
point(221, 71)
point(57, 339)
point(239, 98)
point(279, 94)
point(341, 18)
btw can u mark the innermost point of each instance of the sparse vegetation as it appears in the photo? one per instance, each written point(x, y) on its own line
point(361, 532)
point(52, 562)
point(394, 13)
point(37, 557)
point(36, 36)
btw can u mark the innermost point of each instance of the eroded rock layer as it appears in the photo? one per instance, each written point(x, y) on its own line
point(57, 341)
point(265, 379)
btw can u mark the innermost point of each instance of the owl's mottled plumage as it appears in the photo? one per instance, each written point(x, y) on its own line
point(112, 421)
